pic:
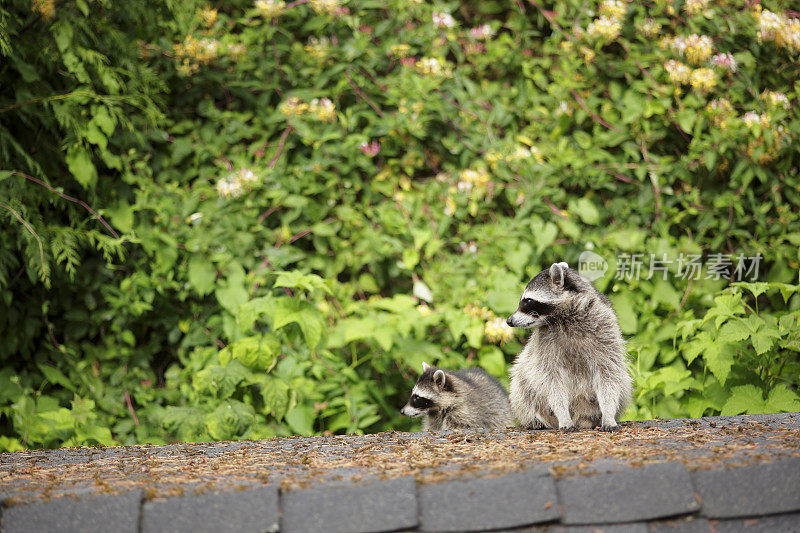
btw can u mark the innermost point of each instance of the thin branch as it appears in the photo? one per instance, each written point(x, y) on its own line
point(553, 208)
point(280, 146)
point(363, 96)
point(654, 183)
point(29, 228)
point(366, 73)
point(594, 115)
point(547, 14)
point(69, 198)
point(130, 408)
point(53, 98)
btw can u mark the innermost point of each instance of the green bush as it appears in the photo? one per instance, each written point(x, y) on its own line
point(260, 219)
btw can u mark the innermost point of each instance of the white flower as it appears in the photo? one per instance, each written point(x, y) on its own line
point(443, 20)
point(482, 32)
point(725, 60)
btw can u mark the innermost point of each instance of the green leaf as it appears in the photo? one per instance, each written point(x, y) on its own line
point(782, 400)
point(585, 209)
point(276, 396)
point(686, 118)
point(732, 331)
point(79, 162)
point(257, 353)
point(744, 399)
point(719, 359)
point(56, 377)
point(518, 256)
point(286, 310)
point(202, 275)
point(301, 419)
point(229, 420)
point(233, 294)
point(220, 381)
point(628, 321)
point(491, 359)
point(544, 234)
point(295, 279)
point(63, 33)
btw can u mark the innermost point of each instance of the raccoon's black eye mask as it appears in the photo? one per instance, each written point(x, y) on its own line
point(534, 308)
point(418, 402)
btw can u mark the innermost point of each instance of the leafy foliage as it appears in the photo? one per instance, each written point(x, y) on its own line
point(259, 219)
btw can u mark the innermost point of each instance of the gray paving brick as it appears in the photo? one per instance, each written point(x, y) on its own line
point(478, 504)
point(252, 510)
point(87, 514)
point(754, 490)
point(344, 507)
point(604, 528)
point(691, 524)
point(643, 493)
point(784, 523)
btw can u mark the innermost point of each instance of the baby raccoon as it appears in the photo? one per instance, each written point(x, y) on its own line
point(573, 372)
point(468, 398)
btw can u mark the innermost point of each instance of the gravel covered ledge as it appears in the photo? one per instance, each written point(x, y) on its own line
point(713, 474)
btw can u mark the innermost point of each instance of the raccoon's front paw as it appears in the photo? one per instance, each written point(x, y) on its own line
point(535, 426)
point(609, 428)
point(568, 429)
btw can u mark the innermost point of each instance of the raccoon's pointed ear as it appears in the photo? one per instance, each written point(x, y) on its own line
point(557, 274)
point(425, 366)
point(563, 264)
point(439, 378)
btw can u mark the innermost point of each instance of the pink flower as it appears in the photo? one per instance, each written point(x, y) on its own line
point(725, 60)
point(481, 32)
point(443, 20)
point(408, 61)
point(371, 149)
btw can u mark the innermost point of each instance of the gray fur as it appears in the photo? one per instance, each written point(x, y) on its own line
point(573, 371)
point(468, 398)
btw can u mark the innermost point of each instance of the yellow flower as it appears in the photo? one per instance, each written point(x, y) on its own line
point(325, 7)
point(693, 7)
point(721, 112)
point(703, 79)
point(270, 9)
point(318, 48)
point(479, 312)
point(202, 51)
point(789, 35)
point(324, 109)
point(775, 99)
point(208, 15)
point(46, 8)
point(588, 54)
point(424, 310)
point(613, 9)
point(449, 206)
point(432, 67)
point(236, 50)
point(696, 48)
point(229, 187)
point(497, 331)
point(677, 71)
point(751, 118)
point(293, 107)
point(400, 50)
point(604, 28)
point(472, 179)
point(649, 28)
point(537, 155)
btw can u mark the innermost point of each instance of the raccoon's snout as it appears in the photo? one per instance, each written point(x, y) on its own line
point(510, 322)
